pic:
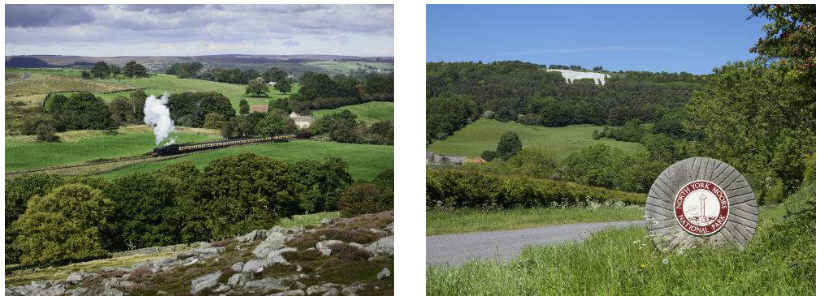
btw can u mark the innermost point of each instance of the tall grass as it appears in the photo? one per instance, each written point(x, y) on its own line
point(781, 260)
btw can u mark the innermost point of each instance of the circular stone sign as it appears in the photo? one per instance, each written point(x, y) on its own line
point(700, 201)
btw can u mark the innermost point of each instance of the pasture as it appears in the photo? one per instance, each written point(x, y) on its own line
point(77, 147)
point(33, 90)
point(779, 261)
point(369, 112)
point(484, 134)
point(346, 67)
point(365, 161)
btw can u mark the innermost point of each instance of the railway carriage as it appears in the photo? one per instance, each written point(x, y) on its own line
point(180, 149)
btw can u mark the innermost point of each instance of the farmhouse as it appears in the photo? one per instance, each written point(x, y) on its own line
point(302, 122)
point(258, 108)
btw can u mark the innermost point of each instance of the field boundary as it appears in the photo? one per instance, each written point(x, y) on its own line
point(43, 103)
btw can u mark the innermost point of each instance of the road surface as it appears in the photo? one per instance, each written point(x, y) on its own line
point(455, 249)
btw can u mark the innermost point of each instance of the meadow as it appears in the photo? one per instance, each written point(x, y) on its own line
point(33, 90)
point(77, 147)
point(484, 134)
point(346, 67)
point(781, 260)
point(475, 220)
point(369, 112)
point(365, 161)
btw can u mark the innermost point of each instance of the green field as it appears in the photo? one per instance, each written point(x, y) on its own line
point(369, 112)
point(484, 134)
point(365, 161)
point(346, 67)
point(54, 80)
point(781, 260)
point(473, 220)
point(26, 154)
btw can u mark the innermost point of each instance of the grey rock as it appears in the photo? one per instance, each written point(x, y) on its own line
point(240, 279)
point(275, 240)
point(79, 276)
point(252, 236)
point(276, 256)
point(266, 285)
point(326, 221)
point(237, 267)
point(352, 289)
point(222, 288)
point(327, 289)
point(112, 292)
point(324, 246)
point(204, 282)
point(385, 273)
point(254, 266)
point(295, 292)
point(384, 245)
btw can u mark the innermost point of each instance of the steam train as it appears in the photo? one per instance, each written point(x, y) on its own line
point(180, 149)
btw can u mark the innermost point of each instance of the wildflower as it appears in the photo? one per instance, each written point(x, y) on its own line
point(643, 265)
point(665, 261)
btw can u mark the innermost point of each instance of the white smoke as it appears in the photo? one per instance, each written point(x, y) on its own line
point(157, 115)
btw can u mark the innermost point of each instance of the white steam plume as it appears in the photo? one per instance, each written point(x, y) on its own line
point(157, 115)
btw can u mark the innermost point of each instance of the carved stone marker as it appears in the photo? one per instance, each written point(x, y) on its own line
point(698, 202)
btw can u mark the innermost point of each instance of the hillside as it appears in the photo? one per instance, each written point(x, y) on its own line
point(353, 256)
point(484, 134)
point(369, 112)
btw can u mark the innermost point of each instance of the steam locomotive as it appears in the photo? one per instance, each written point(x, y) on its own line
point(180, 149)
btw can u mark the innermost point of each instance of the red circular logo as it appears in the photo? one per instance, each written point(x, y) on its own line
point(701, 207)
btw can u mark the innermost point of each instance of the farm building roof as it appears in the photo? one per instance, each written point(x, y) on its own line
point(258, 108)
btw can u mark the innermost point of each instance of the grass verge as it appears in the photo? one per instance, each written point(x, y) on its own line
point(473, 220)
point(781, 260)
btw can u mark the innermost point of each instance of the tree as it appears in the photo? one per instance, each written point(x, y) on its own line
point(68, 224)
point(85, 74)
point(100, 70)
point(274, 75)
point(144, 205)
point(284, 85)
point(134, 69)
point(245, 192)
point(244, 107)
point(228, 129)
point(509, 145)
point(364, 198)
point(275, 123)
point(118, 109)
point(46, 132)
point(323, 183)
point(84, 111)
point(790, 39)
point(257, 87)
point(189, 108)
point(213, 121)
point(280, 103)
point(114, 70)
point(185, 69)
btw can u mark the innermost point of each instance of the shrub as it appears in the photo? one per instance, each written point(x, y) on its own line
point(68, 224)
point(213, 121)
point(46, 132)
point(144, 204)
point(364, 198)
point(473, 189)
point(244, 107)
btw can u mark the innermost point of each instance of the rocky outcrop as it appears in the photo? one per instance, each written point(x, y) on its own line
point(343, 257)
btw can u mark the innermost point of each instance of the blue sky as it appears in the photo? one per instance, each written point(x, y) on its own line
point(672, 38)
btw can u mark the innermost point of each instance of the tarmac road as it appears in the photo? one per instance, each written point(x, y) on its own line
point(455, 249)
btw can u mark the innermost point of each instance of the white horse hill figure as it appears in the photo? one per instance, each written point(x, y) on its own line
point(571, 76)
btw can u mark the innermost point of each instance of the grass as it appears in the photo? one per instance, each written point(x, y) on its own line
point(365, 161)
point(35, 89)
point(160, 83)
point(346, 67)
point(369, 112)
point(77, 147)
point(472, 220)
point(781, 260)
point(484, 134)
point(314, 219)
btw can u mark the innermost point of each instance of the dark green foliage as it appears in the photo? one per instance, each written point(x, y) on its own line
point(509, 145)
point(340, 126)
point(790, 40)
point(46, 132)
point(133, 69)
point(281, 104)
point(323, 183)
point(274, 75)
point(533, 162)
point(128, 110)
point(83, 111)
point(18, 192)
point(284, 85)
point(114, 70)
point(189, 108)
point(257, 87)
point(100, 70)
point(244, 107)
point(144, 211)
point(608, 167)
point(451, 189)
point(381, 133)
point(213, 121)
point(489, 155)
point(86, 75)
point(275, 123)
point(185, 69)
point(245, 192)
point(385, 179)
point(364, 198)
point(448, 113)
point(67, 224)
